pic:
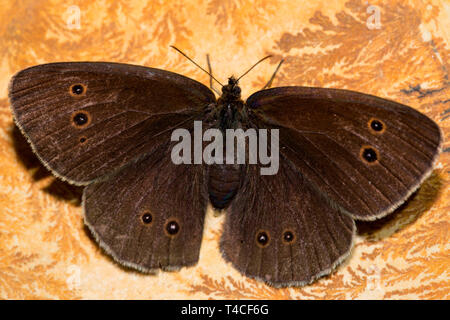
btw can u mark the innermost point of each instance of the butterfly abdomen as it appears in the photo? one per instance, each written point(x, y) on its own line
point(223, 183)
point(224, 179)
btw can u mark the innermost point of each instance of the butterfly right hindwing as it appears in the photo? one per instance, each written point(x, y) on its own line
point(281, 231)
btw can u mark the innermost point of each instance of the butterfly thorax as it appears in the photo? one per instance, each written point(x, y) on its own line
point(225, 179)
point(231, 92)
point(230, 106)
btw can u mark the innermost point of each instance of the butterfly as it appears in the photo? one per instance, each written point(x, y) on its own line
point(343, 156)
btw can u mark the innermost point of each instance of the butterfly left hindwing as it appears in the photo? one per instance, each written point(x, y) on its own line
point(150, 214)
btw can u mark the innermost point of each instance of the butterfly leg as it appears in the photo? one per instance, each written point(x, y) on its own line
point(211, 76)
point(269, 83)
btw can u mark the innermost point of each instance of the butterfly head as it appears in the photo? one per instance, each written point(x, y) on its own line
point(231, 91)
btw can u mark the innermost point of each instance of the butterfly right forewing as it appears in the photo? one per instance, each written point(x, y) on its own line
point(365, 154)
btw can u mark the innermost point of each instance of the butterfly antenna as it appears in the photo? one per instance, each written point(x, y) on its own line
point(196, 64)
point(254, 66)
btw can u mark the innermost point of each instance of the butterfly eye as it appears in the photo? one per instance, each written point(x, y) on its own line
point(369, 154)
point(376, 126)
point(147, 218)
point(288, 237)
point(80, 119)
point(262, 239)
point(77, 90)
point(237, 90)
point(172, 228)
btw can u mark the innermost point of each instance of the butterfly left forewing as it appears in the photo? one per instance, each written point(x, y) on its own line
point(365, 154)
point(86, 119)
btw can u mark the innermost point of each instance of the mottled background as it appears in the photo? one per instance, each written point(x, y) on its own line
point(45, 252)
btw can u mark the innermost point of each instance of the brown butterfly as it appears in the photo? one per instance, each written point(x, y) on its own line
point(344, 156)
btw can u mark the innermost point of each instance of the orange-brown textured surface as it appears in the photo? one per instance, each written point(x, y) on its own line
point(45, 252)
